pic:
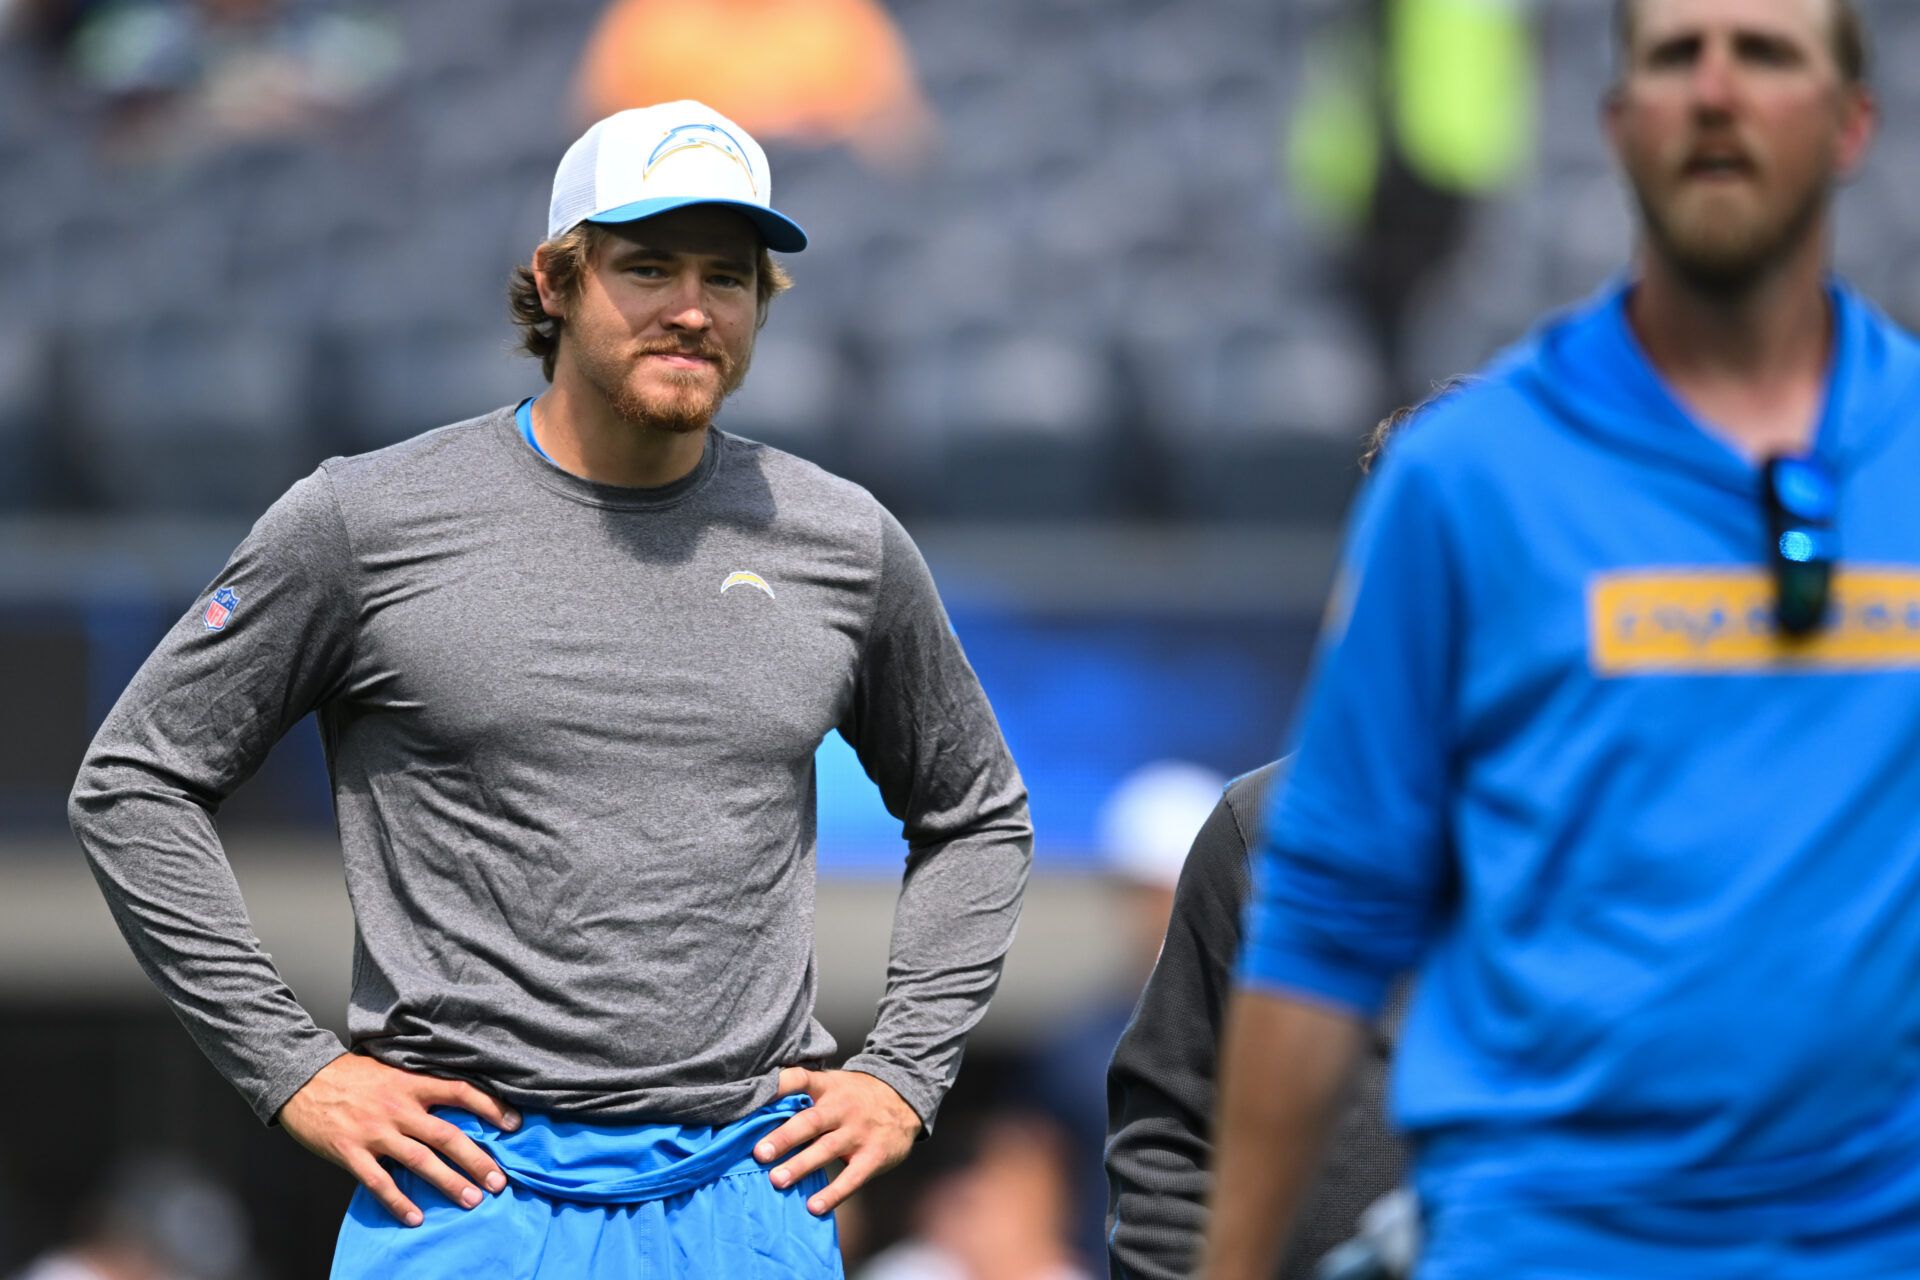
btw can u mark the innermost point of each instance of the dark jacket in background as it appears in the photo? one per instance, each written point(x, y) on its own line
point(1161, 1084)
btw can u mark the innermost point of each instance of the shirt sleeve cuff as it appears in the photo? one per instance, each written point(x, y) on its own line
point(924, 1101)
point(1287, 971)
point(292, 1075)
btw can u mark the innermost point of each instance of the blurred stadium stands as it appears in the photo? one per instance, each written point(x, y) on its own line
point(1098, 247)
point(1096, 271)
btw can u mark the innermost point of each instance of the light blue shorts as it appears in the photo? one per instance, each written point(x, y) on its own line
point(677, 1202)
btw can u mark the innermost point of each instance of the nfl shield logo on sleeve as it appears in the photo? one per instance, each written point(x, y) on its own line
point(220, 608)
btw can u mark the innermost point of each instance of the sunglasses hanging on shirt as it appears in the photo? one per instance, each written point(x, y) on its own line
point(1800, 496)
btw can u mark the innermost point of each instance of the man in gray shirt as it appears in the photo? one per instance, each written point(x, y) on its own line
point(571, 665)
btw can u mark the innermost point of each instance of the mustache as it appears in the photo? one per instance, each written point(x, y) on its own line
point(1714, 147)
point(703, 350)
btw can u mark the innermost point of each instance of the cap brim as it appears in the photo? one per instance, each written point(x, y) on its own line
point(782, 234)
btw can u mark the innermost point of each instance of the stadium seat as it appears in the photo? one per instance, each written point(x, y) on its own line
point(796, 395)
point(1023, 418)
point(183, 416)
point(380, 386)
point(30, 436)
point(1108, 175)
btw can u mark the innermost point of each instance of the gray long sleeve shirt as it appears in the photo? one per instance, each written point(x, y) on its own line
point(571, 731)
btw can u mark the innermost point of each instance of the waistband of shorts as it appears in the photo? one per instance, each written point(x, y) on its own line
point(623, 1164)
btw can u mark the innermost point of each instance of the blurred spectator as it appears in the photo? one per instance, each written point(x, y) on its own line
point(992, 1203)
point(1146, 827)
point(1412, 110)
point(179, 75)
point(808, 71)
point(155, 1217)
point(46, 24)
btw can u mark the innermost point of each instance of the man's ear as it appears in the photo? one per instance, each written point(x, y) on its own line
point(1860, 121)
point(551, 300)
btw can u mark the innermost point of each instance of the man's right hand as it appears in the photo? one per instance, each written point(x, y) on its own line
point(356, 1110)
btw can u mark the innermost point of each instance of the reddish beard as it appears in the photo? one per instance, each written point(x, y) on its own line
point(677, 400)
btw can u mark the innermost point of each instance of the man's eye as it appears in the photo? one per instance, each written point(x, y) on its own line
point(1673, 54)
point(1769, 53)
point(729, 282)
point(647, 271)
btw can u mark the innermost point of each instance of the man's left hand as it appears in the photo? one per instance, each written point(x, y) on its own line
point(855, 1117)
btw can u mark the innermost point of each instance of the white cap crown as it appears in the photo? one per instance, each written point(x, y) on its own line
point(644, 161)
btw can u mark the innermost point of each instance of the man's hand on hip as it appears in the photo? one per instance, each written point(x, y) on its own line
point(356, 1110)
point(855, 1117)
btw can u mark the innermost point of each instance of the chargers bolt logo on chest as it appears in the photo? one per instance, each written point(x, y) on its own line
point(220, 608)
point(741, 578)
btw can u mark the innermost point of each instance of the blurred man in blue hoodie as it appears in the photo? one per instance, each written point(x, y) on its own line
point(1615, 742)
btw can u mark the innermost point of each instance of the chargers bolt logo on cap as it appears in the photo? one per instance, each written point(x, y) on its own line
point(647, 161)
point(702, 135)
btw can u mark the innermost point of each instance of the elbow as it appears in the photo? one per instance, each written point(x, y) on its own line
point(1017, 834)
point(1012, 821)
point(91, 797)
point(1010, 829)
point(83, 802)
point(1003, 826)
point(997, 803)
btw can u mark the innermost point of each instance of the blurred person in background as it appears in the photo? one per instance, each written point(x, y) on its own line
point(1145, 827)
point(815, 72)
point(991, 1199)
point(1160, 1088)
point(1613, 738)
point(1412, 112)
point(46, 25)
point(154, 1217)
point(175, 76)
point(572, 662)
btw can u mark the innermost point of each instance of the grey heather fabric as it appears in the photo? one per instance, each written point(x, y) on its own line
point(1160, 1087)
point(573, 775)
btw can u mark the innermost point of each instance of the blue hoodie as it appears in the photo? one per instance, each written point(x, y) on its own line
point(1658, 871)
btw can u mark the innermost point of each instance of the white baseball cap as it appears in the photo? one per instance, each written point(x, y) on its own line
point(642, 162)
point(1149, 821)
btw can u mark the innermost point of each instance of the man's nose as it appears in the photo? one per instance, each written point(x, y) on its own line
point(687, 308)
point(1715, 83)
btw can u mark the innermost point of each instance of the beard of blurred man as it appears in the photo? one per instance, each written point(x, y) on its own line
point(1734, 123)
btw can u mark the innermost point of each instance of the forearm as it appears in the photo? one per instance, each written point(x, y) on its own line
point(923, 730)
point(1284, 1068)
point(1157, 1178)
point(197, 719)
point(166, 880)
point(951, 929)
